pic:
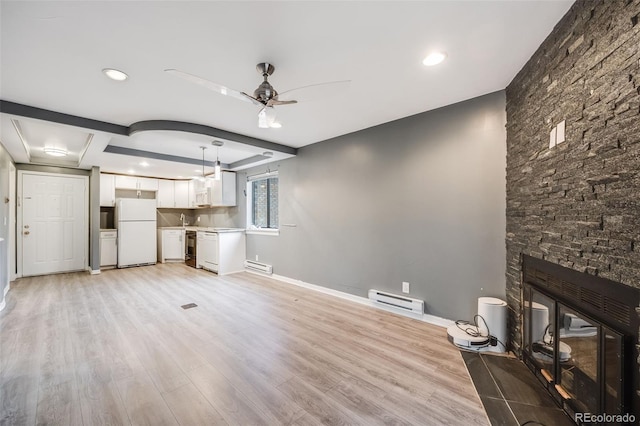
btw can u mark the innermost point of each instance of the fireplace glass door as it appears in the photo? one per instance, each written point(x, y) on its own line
point(578, 348)
point(581, 360)
point(580, 338)
point(612, 374)
point(539, 311)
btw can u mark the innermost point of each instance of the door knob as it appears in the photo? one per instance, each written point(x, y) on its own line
point(26, 232)
point(26, 227)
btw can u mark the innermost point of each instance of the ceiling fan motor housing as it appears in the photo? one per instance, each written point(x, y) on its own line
point(265, 92)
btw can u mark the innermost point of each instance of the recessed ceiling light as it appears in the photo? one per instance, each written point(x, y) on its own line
point(55, 152)
point(144, 164)
point(434, 58)
point(114, 74)
point(131, 172)
point(275, 125)
point(267, 154)
point(179, 177)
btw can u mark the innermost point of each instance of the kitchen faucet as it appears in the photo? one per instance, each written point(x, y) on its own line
point(182, 218)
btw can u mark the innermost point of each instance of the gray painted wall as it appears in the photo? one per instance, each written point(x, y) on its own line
point(420, 199)
point(94, 219)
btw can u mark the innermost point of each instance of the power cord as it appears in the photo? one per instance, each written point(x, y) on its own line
point(475, 332)
point(544, 336)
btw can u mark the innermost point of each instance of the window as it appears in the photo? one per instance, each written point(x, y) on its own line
point(262, 202)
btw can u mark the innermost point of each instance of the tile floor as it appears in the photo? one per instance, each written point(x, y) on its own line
point(511, 395)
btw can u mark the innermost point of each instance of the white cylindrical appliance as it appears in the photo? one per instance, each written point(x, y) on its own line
point(494, 312)
point(539, 320)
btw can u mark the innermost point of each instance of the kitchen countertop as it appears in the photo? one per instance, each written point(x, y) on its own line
point(204, 228)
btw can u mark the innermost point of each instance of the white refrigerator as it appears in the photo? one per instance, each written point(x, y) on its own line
point(136, 223)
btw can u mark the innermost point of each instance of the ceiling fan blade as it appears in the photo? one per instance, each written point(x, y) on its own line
point(274, 101)
point(223, 90)
point(266, 117)
point(252, 99)
point(315, 91)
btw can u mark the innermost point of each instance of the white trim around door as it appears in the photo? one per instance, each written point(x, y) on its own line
point(53, 212)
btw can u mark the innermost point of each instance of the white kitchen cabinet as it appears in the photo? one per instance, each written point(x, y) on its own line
point(216, 193)
point(232, 252)
point(207, 250)
point(166, 194)
point(181, 194)
point(126, 182)
point(224, 190)
point(192, 194)
point(136, 183)
point(108, 248)
point(221, 252)
point(107, 190)
point(147, 184)
point(171, 245)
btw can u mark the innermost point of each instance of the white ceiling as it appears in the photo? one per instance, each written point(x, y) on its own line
point(52, 54)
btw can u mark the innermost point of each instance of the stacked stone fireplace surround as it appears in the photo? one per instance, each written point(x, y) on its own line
point(577, 204)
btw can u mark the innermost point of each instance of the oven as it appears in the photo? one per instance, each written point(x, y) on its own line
point(191, 248)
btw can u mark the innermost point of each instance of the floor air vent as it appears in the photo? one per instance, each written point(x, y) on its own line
point(251, 265)
point(189, 306)
point(408, 304)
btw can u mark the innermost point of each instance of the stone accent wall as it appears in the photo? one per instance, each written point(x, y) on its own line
point(577, 204)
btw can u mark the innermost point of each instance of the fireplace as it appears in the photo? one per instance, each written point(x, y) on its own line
point(580, 337)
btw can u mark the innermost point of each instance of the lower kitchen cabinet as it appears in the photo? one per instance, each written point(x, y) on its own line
point(221, 252)
point(171, 245)
point(207, 253)
point(108, 248)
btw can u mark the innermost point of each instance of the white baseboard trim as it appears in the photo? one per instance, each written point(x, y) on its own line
point(94, 271)
point(431, 319)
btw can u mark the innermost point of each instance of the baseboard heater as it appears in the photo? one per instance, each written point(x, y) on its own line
point(408, 304)
point(251, 265)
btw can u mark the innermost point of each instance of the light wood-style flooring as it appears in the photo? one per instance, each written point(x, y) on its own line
point(117, 348)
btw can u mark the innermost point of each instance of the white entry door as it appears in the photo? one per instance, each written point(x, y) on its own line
point(53, 228)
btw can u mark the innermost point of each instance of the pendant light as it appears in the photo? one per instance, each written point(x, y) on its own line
point(202, 178)
point(218, 166)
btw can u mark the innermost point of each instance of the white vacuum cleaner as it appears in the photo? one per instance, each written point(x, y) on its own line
point(542, 337)
point(488, 332)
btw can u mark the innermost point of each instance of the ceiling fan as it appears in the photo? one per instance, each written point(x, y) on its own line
point(265, 96)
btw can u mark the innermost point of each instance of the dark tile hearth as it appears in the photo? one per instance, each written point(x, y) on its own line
point(510, 393)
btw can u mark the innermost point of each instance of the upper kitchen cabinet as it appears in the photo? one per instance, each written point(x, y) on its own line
point(191, 188)
point(216, 193)
point(147, 184)
point(107, 190)
point(181, 194)
point(224, 190)
point(173, 194)
point(166, 194)
point(136, 183)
